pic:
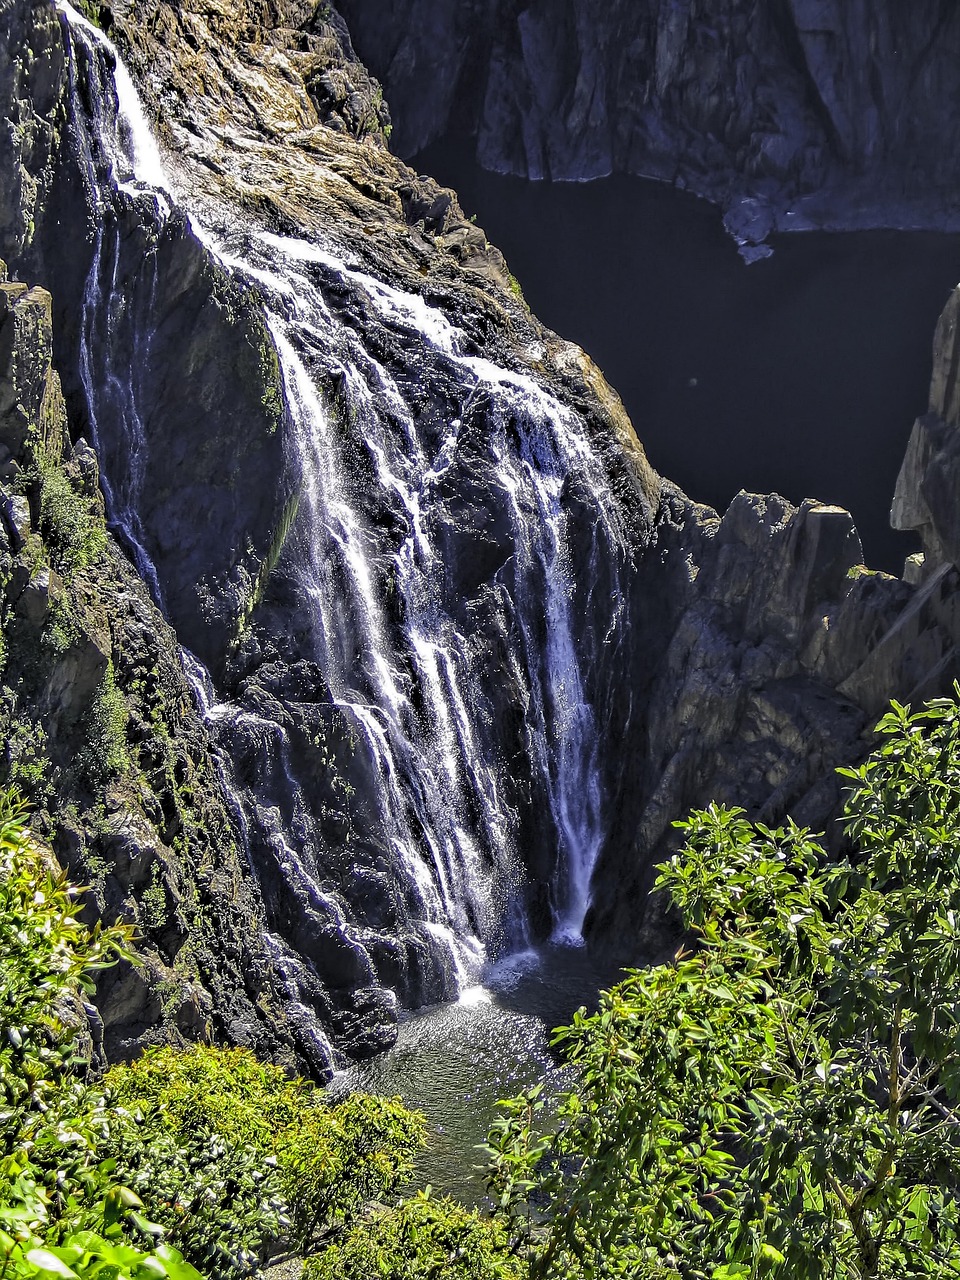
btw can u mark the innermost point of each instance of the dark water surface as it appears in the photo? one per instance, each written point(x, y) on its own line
point(455, 1061)
point(801, 374)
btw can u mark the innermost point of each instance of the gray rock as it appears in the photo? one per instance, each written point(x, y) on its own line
point(41, 592)
point(16, 519)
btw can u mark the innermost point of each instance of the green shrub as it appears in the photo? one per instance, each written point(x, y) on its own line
point(26, 754)
point(46, 957)
point(233, 1158)
point(421, 1237)
point(205, 1153)
point(70, 523)
point(105, 754)
point(60, 1213)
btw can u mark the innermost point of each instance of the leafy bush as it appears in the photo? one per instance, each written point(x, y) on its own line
point(105, 753)
point(231, 1157)
point(420, 1237)
point(208, 1149)
point(60, 1214)
point(783, 1100)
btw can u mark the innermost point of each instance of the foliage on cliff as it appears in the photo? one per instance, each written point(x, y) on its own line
point(784, 1099)
point(235, 1160)
point(420, 1237)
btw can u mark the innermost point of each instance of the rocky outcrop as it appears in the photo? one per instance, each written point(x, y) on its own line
point(789, 114)
point(782, 651)
point(926, 497)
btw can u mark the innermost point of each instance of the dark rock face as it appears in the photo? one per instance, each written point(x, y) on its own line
point(32, 76)
point(839, 113)
point(204, 362)
point(781, 651)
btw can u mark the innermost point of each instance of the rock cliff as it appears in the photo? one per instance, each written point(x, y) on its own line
point(100, 734)
point(789, 114)
point(451, 645)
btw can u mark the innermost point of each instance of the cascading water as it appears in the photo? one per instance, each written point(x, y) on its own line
point(425, 539)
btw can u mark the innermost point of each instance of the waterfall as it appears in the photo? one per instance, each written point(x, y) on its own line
point(399, 506)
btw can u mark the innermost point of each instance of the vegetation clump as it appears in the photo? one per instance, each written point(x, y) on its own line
point(234, 1159)
point(420, 1237)
point(204, 1157)
point(61, 1214)
point(70, 521)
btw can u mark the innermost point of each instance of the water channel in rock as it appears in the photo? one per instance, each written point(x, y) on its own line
point(800, 374)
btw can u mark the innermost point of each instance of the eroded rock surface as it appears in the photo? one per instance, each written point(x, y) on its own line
point(101, 735)
point(783, 652)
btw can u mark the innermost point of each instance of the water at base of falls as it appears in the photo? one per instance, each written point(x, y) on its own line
point(455, 1062)
point(406, 664)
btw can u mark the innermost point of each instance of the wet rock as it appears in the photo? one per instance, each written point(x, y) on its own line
point(89, 663)
point(368, 1026)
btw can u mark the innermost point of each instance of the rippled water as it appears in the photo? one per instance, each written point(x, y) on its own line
point(454, 1062)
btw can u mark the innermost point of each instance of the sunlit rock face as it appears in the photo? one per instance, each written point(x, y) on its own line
point(789, 114)
point(461, 656)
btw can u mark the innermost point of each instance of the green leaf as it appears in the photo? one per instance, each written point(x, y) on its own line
point(46, 1262)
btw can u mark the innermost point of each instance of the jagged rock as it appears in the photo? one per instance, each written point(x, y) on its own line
point(925, 500)
point(786, 654)
point(26, 335)
point(38, 596)
point(32, 82)
point(150, 832)
point(16, 518)
point(362, 1026)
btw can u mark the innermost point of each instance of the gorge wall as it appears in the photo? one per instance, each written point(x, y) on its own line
point(788, 114)
point(407, 642)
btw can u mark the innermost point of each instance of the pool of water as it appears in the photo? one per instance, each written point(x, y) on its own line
point(454, 1062)
point(801, 374)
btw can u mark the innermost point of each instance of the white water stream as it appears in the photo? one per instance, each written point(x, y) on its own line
point(405, 672)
